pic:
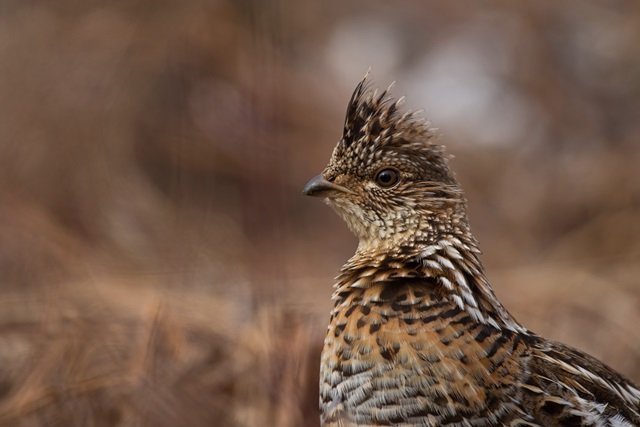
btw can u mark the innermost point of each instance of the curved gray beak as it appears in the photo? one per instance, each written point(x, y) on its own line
point(320, 187)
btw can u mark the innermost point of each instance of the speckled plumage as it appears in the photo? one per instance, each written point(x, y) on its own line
point(416, 336)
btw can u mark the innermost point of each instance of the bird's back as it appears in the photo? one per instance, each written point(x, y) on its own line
point(567, 387)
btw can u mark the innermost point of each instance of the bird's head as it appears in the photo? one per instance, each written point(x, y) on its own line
point(388, 179)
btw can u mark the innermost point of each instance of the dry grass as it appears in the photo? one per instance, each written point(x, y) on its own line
point(117, 352)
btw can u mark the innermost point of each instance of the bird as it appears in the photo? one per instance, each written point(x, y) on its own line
point(417, 336)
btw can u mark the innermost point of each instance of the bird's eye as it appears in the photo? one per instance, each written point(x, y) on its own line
point(387, 177)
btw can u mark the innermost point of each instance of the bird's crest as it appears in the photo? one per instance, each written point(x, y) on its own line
point(376, 122)
point(374, 117)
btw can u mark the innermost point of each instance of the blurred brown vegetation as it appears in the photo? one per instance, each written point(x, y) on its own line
point(158, 264)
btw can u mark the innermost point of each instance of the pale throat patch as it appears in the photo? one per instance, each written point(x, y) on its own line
point(381, 232)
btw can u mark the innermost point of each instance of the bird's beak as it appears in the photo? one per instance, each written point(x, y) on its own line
point(320, 187)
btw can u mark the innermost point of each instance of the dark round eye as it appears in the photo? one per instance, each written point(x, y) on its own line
point(387, 177)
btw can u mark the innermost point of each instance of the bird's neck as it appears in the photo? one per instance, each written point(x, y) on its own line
point(411, 230)
point(447, 264)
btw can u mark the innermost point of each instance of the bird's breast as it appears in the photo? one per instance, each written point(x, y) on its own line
point(408, 358)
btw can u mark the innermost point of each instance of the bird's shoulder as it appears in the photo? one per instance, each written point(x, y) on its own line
point(567, 387)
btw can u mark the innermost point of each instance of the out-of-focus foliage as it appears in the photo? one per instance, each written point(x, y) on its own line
point(158, 264)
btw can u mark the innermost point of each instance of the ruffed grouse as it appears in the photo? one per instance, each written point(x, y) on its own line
point(416, 336)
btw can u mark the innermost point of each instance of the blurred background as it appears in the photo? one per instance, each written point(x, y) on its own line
point(159, 265)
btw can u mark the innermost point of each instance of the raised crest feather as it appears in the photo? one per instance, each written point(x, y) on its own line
point(370, 113)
